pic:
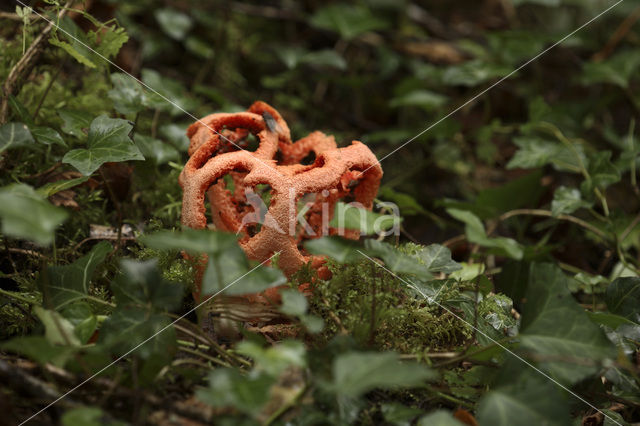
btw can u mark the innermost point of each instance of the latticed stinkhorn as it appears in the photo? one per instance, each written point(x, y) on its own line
point(350, 173)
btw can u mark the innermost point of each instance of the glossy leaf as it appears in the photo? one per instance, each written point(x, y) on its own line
point(69, 283)
point(14, 135)
point(623, 298)
point(337, 248)
point(355, 373)
point(567, 200)
point(557, 330)
point(41, 222)
point(475, 232)
point(108, 141)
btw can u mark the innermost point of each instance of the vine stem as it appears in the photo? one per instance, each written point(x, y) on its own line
point(547, 213)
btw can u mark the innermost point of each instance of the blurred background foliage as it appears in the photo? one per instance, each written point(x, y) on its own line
point(539, 168)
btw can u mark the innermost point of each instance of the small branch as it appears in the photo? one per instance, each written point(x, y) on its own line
point(547, 213)
point(619, 34)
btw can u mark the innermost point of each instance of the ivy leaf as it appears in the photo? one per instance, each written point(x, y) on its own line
point(58, 330)
point(347, 20)
point(425, 99)
point(475, 232)
point(47, 136)
point(616, 70)
point(48, 189)
point(567, 200)
point(537, 152)
point(194, 241)
point(437, 258)
point(128, 95)
point(229, 388)
point(602, 172)
point(557, 330)
point(523, 397)
point(623, 297)
point(274, 360)
point(337, 248)
point(325, 58)
point(76, 123)
point(14, 135)
point(39, 349)
point(43, 218)
point(108, 140)
point(174, 23)
point(169, 88)
point(142, 297)
point(70, 283)
point(395, 260)
point(347, 216)
point(127, 328)
point(157, 150)
point(355, 373)
point(141, 285)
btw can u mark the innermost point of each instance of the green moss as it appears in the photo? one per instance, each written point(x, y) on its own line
point(378, 311)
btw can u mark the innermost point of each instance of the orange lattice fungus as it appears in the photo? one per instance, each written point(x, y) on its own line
point(277, 195)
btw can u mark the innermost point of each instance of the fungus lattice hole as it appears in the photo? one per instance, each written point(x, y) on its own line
point(309, 159)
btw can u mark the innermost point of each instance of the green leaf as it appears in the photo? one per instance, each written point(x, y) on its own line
point(347, 216)
point(274, 360)
point(194, 241)
point(76, 50)
point(129, 329)
point(523, 398)
point(47, 136)
point(128, 95)
point(88, 416)
point(58, 330)
point(157, 150)
point(177, 100)
point(468, 271)
point(472, 73)
point(337, 248)
point(407, 204)
point(229, 388)
point(47, 190)
point(294, 303)
point(108, 41)
point(39, 349)
point(108, 141)
point(617, 70)
point(43, 218)
point(14, 135)
point(260, 279)
point(398, 414)
point(475, 232)
point(437, 258)
point(610, 320)
point(537, 152)
point(174, 23)
point(355, 373)
point(141, 285)
point(439, 418)
point(76, 123)
point(84, 321)
point(557, 331)
point(348, 20)
point(395, 260)
point(324, 58)
point(623, 298)
point(425, 99)
point(567, 200)
point(70, 283)
point(602, 172)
